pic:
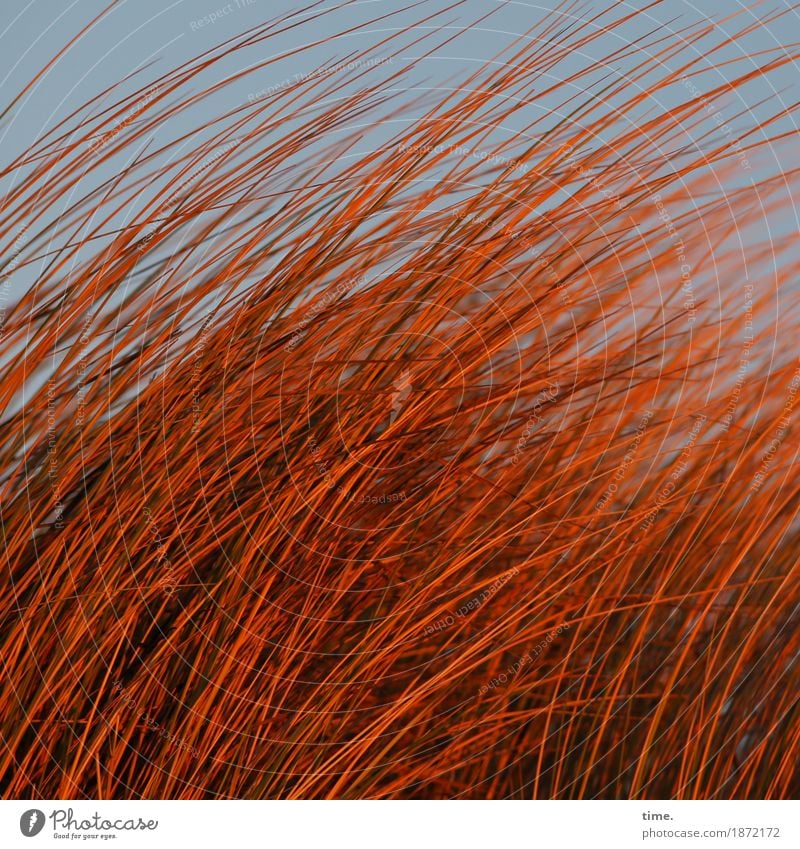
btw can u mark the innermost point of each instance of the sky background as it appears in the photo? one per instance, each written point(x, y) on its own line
point(147, 38)
point(137, 33)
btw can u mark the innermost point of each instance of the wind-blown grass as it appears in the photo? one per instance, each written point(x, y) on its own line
point(406, 472)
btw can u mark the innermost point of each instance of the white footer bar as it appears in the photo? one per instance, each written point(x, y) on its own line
point(400, 824)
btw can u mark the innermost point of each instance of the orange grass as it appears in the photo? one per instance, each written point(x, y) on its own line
point(405, 473)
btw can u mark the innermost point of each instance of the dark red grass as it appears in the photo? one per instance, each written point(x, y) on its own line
point(405, 472)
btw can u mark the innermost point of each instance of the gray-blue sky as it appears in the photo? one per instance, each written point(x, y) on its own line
point(141, 33)
point(138, 32)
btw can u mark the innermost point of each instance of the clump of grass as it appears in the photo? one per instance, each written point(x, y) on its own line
point(272, 448)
